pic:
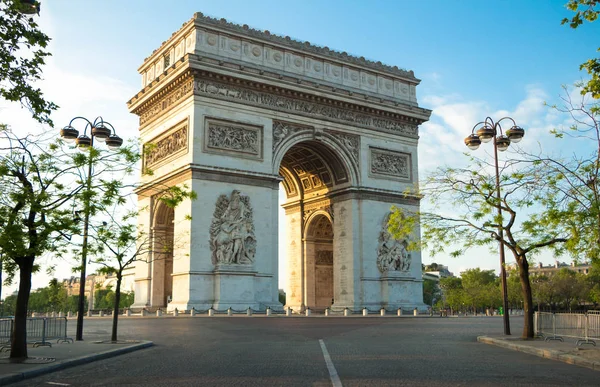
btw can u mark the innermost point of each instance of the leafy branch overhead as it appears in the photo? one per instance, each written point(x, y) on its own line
point(22, 54)
point(586, 10)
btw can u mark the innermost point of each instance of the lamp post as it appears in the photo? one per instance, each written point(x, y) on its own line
point(103, 132)
point(488, 130)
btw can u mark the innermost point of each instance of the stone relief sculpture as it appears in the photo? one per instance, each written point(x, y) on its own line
point(392, 164)
point(236, 138)
point(166, 147)
point(232, 239)
point(281, 130)
point(392, 254)
point(350, 142)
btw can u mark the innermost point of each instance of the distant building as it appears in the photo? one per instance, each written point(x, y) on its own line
point(550, 270)
point(100, 281)
point(436, 271)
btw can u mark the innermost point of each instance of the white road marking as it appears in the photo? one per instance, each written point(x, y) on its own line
point(58, 384)
point(335, 379)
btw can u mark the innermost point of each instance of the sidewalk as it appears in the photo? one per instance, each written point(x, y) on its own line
point(586, 355)
point(43, 360)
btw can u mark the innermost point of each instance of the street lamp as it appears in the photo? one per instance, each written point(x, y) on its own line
point(488, 130)
point(103, 132)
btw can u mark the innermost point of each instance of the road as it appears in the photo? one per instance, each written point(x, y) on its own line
point(281, 351)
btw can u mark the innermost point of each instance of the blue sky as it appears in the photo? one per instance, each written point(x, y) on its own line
point(475, 58)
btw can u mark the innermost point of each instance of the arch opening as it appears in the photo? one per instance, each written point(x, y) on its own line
point(319, 262)
point(312, 171)
point(162, 256)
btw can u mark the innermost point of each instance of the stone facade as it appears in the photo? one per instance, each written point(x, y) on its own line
point(234, 114)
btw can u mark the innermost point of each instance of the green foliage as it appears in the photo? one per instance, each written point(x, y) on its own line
point(35, 214)
point(564, 290)
point(585, 10)
point(52, 298)
point(571, 195)
point(431, 291)
point(105, 299)
point(466, 214)
point(22, 54)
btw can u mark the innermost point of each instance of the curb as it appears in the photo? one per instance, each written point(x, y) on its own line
point(68, 363)
point(540, 352)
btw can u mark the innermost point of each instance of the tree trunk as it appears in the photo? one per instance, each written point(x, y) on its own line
point(113, 337)
point(18, 348)
point(527, 298)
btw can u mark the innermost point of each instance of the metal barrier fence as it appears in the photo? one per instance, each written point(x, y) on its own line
point(39, 331)
point(6, 326)
point(585, 328)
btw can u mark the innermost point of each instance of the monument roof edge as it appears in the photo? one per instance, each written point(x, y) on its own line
point(200, 19)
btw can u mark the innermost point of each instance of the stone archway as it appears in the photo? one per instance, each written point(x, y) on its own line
point(313, 172)
point(161, 257)
point(234, 112)
point(318, 260)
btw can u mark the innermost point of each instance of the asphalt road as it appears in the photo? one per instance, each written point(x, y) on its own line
point(280, 351)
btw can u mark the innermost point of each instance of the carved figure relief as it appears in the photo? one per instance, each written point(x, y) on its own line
point(166, 147)
point(232, 239)
point(234, 138)
point(282, 130)
point(392, 254)
point(350, 142)
point(301, 106)
point(396, 165)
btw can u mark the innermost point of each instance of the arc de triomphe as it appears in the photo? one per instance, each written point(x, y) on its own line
point(236, 113)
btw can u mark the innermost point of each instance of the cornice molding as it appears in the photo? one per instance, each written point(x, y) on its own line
point(208, 84)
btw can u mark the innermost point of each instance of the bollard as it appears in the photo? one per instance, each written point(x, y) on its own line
point(249, 312)
point(128, 312)
point(211, 312)
point(193, 312)
point(69, 314)
point(175, 312)
point(101, 313)
point(326, 312)
point(33, 314)
point(158, 313)
point(307, 312)
point(53, 315)
point(61, 314)
point(268, 311)
point(288, 311)
point(365, 312)
point(415, 312)
point(399, 311)
point(144, 312)
point(382, 312)
point(346, 312)
point(89, 313)
point(229, 312)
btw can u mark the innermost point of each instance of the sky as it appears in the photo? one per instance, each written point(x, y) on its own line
point(475, 59)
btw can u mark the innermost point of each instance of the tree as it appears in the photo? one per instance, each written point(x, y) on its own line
point(22, 54)
point(431, 291)
point(513, 285)
point(471, 193)
point(585, 10)
point(452, 292)
point(481, 288)
point(34, 216)
point(119, 243)
point(571, 196)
